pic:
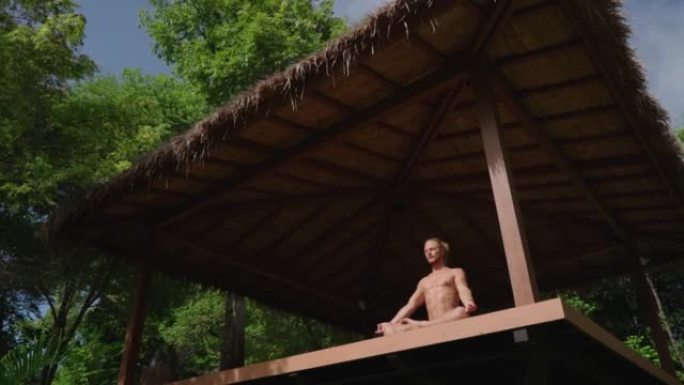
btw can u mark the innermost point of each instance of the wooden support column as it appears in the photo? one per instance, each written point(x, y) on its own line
point(134, 330)
point(649, 311)
point(233, 345)
point(520, 268)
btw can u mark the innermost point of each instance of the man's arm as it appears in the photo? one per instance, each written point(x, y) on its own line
point(464, 291)
point(416, 300)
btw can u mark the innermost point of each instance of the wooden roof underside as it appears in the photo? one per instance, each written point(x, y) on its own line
point(319, 200)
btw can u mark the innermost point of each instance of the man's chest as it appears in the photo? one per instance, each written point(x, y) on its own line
point(439, 281)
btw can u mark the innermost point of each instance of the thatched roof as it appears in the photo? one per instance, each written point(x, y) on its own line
point(314, 189)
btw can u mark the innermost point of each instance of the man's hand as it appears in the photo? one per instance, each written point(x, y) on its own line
point(470, 307)
point(409, 321)
point(381, 328)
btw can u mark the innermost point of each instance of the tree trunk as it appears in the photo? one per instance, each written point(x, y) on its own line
point(233, 345)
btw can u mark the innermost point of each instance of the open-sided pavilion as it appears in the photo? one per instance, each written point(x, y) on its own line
point(314, 190)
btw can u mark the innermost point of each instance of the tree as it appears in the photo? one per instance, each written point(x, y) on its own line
point(96, 129)
point(193, 333)
point(224, 46)
point(39, 56)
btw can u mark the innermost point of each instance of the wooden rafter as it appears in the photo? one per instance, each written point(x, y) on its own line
point(299, 225)
point(509, 97)
point(540, 52)
point(269, 217)
point(428, 133)
point(342, 265)
point(414, 91)
point(335, 194)
point(295, 258)
point(225, 259)
point(341, 169)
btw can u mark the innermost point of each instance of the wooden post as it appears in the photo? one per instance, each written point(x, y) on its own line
point(134, 329)
point(649, 311)
point(519, 263)
point(233, 344)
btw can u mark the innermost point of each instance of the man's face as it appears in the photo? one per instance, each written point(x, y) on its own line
point(433, 251)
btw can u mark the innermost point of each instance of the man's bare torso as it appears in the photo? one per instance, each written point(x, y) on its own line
point(441, 294)
point(444, 292)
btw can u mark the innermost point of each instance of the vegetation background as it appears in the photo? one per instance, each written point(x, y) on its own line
point(64, 127)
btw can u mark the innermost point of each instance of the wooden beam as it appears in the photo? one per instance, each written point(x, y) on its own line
point(486, 202)
point(268, 218)
point(591, 79)
point(384, 79)
point(510, 99)
point(129, 358)
point(371, 152)
point(290, 124)
point(335, 194)
point(396, 130)
point(534, 54)
point(326, 274)
point(520, 268)
point(294, 259)
point(268, 276)
point(649, 310)
point(299, 225)
point(305, 181)
point(428, 133)
point(414, 91)
point(326, 99)
point(336, 168)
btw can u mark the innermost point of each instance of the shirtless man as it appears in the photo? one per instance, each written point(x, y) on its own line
point(444, 292)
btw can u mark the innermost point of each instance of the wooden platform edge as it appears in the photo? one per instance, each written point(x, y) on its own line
point(589, 327)
point(499, 321)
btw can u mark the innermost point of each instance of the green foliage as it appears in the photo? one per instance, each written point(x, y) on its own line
point(644, 347)
point(193, 331)
point(574, 299)
point(272, 334)
point(224, 46)
point(103, 124)
point(612, 304)
point(39, 42)
point(26, 360)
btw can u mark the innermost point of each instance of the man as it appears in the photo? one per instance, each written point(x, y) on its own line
point(444, 292)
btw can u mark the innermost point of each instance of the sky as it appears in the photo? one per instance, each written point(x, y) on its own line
point(115, 41)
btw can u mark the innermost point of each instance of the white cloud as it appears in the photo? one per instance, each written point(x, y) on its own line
point(658, 37)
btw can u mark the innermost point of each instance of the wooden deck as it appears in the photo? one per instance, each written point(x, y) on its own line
point(543, 343)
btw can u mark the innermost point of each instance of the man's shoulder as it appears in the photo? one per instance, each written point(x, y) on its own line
point(456, 270)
